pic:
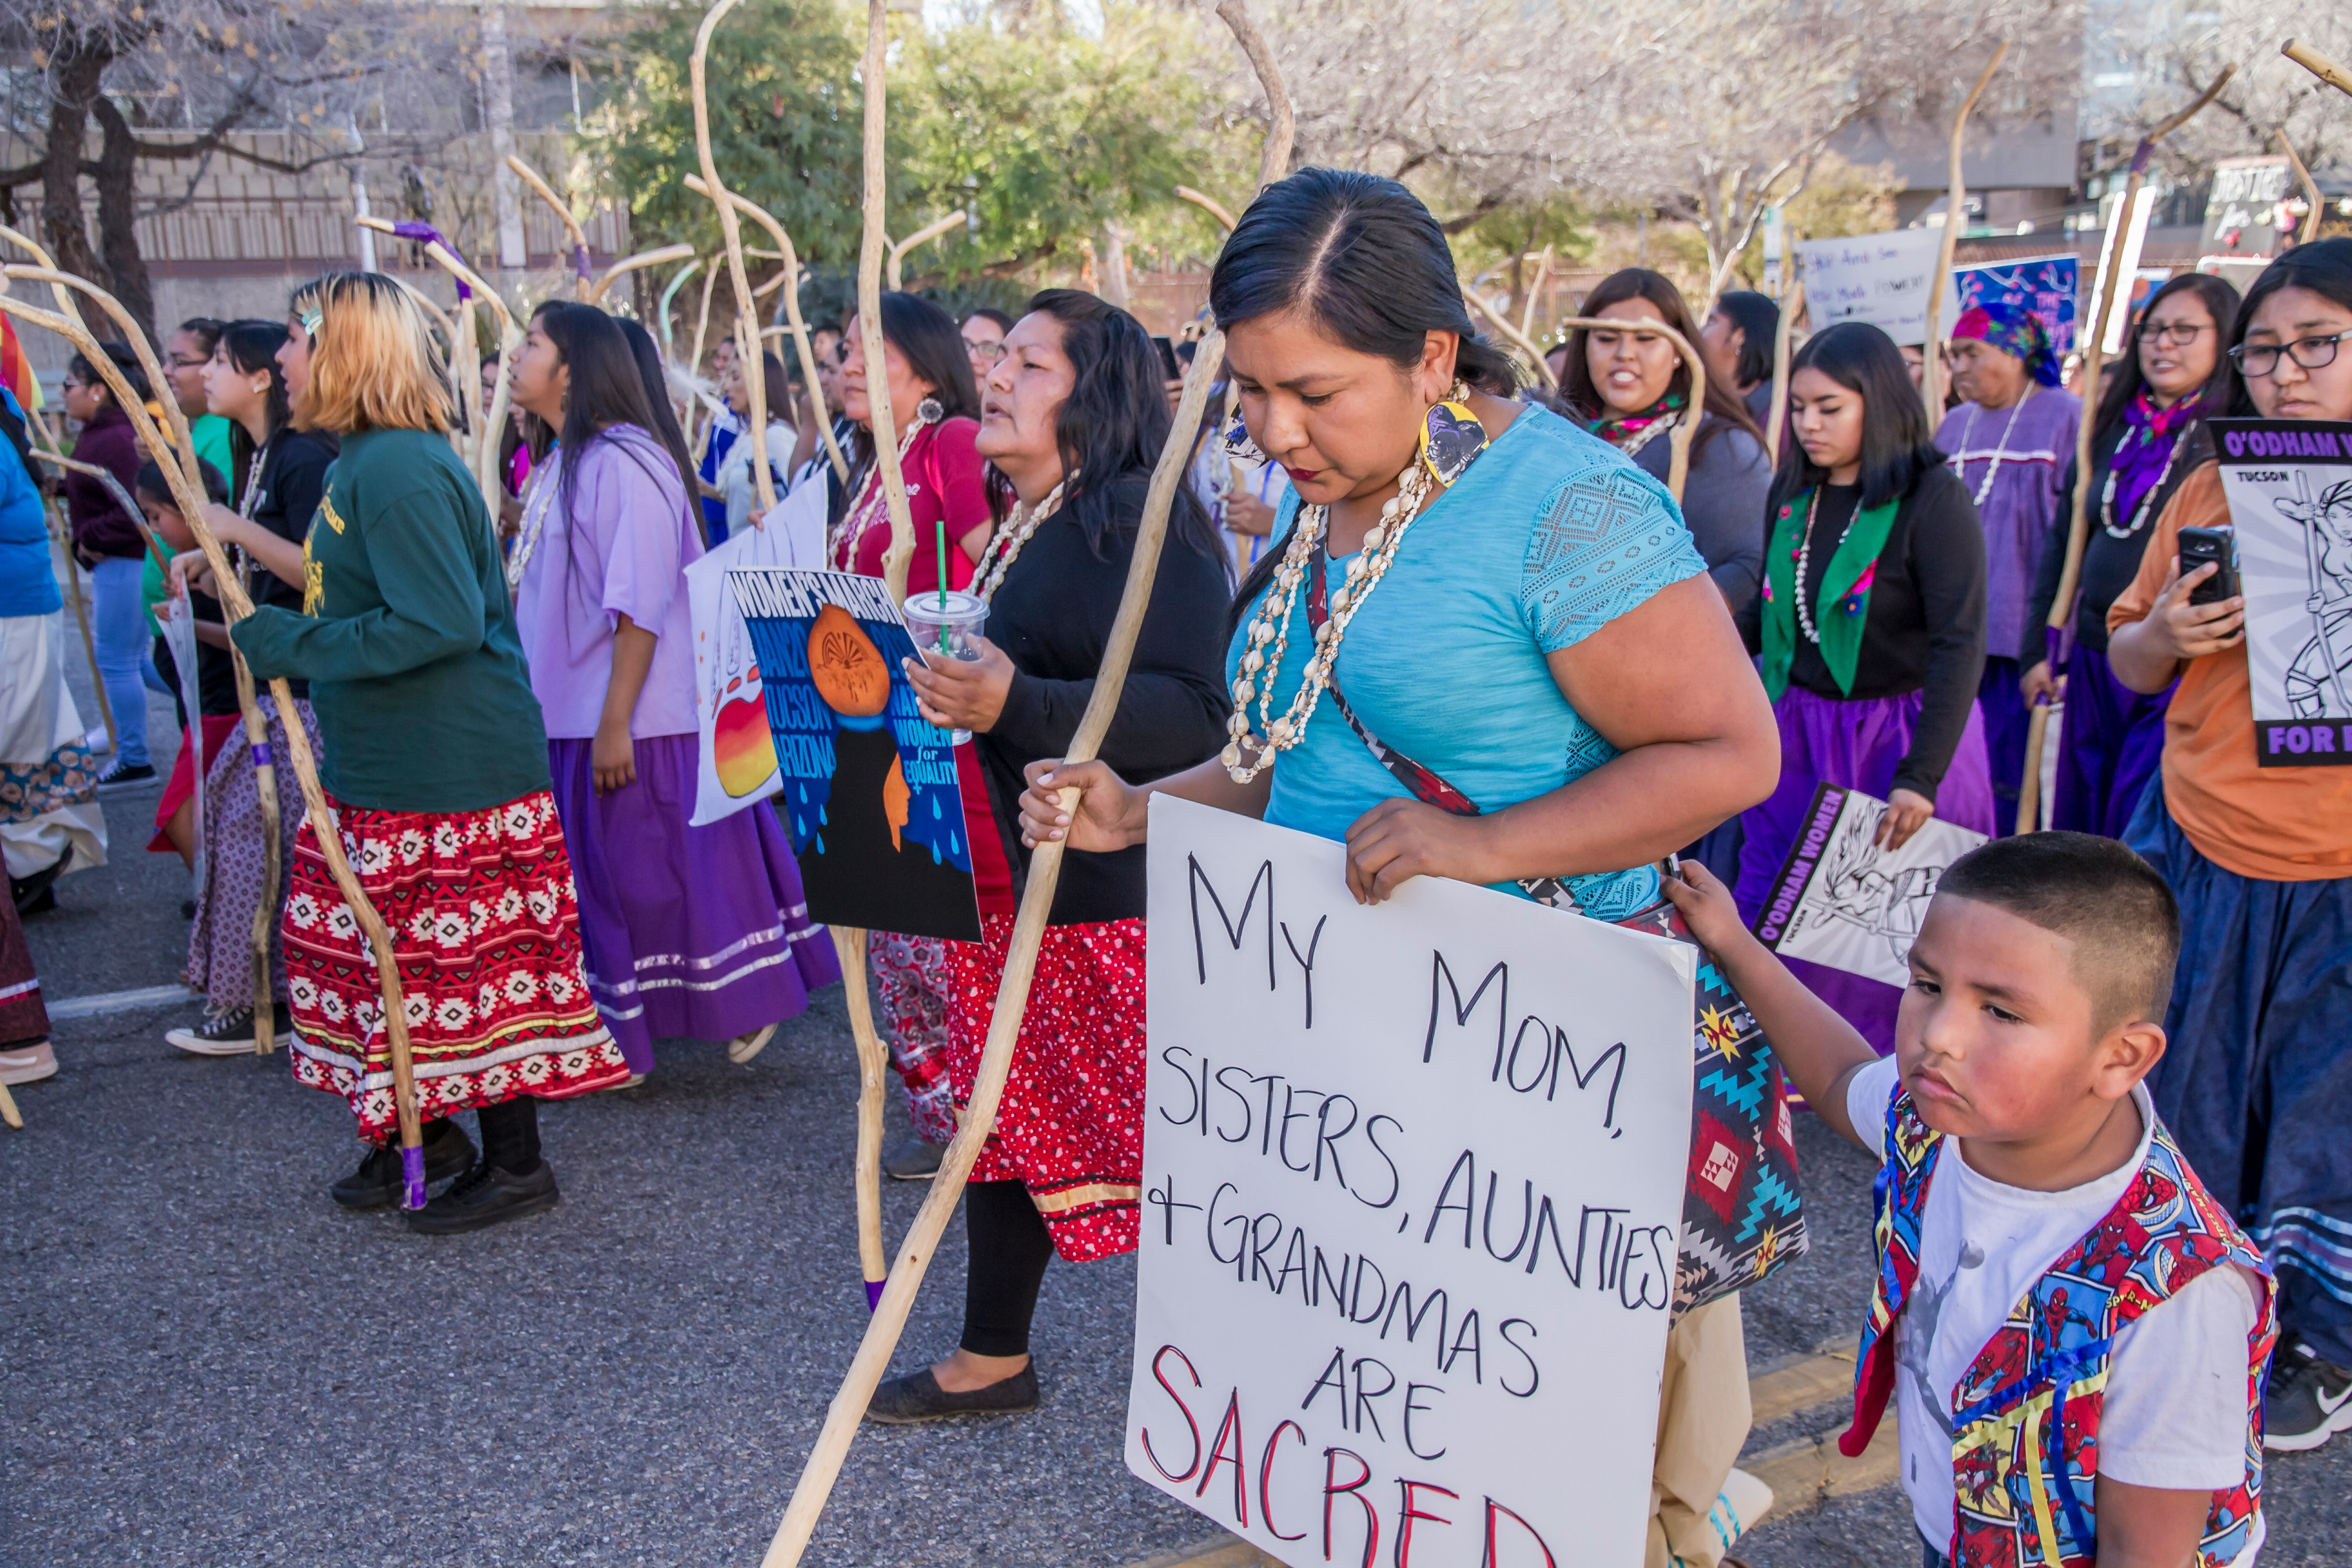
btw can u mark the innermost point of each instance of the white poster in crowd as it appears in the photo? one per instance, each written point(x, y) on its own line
point(2290, 486)
point(1843, 900)
point(1882, 278)
point(737, 755)
point(1412, 1181)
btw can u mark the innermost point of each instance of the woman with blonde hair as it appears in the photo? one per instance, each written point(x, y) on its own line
point(435, 765)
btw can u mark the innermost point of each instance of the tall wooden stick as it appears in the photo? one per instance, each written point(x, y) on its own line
point(9, 1111)
point(179, 471)
point(870, 251)
point(1685, 430)
point(2318, 65)
point(1274, 158)
point(2078, 521)
point(923, 236)
point(1208, 204)
point(747, 331)
point(1775, 419)
point(1526, 346)
point(64, 537)
point(1535, 294)
point(1931, 374)
point(2315, 205)
point(669, 293)
point(483, 460)
point(580, 261)
point(628, 264)
point(791, 278)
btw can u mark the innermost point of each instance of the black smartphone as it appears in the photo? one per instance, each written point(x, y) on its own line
point(2219, 546)
point(1170, 369)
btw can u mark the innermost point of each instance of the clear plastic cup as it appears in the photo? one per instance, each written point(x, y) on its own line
point(946, 626)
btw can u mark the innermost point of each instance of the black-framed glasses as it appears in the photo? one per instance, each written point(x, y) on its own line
point(2311, 353)
point(987, 352)
point(2181, 333)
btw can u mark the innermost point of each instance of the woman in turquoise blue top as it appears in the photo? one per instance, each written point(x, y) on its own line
point(1532, 683)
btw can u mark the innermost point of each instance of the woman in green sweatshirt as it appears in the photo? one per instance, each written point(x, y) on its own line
point(436, 766)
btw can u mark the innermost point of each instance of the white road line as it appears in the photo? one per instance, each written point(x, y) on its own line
point(120, 1002)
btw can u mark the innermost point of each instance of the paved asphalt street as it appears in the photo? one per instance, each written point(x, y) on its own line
point(207, 1363)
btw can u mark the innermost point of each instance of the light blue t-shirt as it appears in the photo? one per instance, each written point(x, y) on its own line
point(1552, 535)
point(29, 579)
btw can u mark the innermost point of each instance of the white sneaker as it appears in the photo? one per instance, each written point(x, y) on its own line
point(743, 1048)
point(28, 1064)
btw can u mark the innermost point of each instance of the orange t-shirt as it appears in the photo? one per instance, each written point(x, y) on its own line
point(2280, 825)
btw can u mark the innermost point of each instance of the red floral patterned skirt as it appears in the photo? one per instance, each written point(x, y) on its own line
point(1071, 1123)
point(485, 930)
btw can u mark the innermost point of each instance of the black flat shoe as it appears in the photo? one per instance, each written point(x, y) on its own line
point(916, 1160)
point(485, 1196)
point(918, 1397)
point(447, 1152)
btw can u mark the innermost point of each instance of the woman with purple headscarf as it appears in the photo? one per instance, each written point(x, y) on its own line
point(2150, 435)
point(2009, 442)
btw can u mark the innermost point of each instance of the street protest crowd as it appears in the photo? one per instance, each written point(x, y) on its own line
point(2129, 1277)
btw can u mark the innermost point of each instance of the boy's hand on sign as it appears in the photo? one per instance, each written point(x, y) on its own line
point(1706, 908)
point(1109, 814)
point(1400, 839)
point(2183, 630)
point(1907, 811)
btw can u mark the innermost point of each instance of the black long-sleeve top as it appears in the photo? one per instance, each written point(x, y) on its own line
point(1926, 630)
point(2108, 563)
point(292, 481)
point(1052, 616)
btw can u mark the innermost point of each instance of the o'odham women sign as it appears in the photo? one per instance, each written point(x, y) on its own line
point(1412, 1183)
point(2290, 486)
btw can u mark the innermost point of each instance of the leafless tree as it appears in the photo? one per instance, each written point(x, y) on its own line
point(2172, 57)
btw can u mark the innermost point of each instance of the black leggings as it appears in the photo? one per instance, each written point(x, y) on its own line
point(1009, 1250)
point(510, 1136)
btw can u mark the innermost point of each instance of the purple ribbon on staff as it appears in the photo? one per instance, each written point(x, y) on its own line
point(425, 234)
point(261, 757)
point(412, 1173)
point(579, 264)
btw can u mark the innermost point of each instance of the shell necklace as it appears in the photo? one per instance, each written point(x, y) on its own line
point(872, 502)
point(247, 505)
point(1269, 631)
point(1647, 434)
point(537, 499)
point(990, 573)
point(2139, 512)
point(1805, 560)
point(1959, 460)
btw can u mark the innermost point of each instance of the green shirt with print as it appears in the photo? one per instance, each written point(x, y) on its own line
point(407, 637)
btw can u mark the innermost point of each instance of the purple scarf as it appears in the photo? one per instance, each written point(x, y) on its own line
point(2150, 435)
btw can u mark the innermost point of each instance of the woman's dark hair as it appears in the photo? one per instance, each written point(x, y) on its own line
point(204, 330)
point(989, 314)
point(1719, 404)
point(934, 350)
point(777, 388)
point(252, 346)
point(151, 482)
point(2220, 303)
point(1365, 262)
point(1758, 321)
point(124, 361)
point(1112, 427)
point(1897, 447)
point(604, 390)
point(2323, 267)
point(665, 427)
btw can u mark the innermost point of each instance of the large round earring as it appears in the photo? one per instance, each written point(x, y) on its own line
point(930, 411)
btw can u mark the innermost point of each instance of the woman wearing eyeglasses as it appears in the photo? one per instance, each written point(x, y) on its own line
point(2148, 436)
point(2257, 1084)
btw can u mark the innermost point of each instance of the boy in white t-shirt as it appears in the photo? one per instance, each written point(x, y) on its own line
point(2080, 1335)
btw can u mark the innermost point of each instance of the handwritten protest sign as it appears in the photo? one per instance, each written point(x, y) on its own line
point(1882, 278)
point(1413, 1178)
point(1842, 901)
point(869, 788)
point(2290, 486)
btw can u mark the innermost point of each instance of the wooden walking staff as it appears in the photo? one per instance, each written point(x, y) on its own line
point(483, 460)
point(2318, 65)
point(1520, 340)
point(1208, 204)
point(923, 236)
point(2315, 205)
point(628, 264)
point(747, 331)
point(922, 1239)
point(179, 469)
point(1777, 420)
point(1931, 373)
point(791, 279)
point(64, 538)
point(2110, 288)
point(581, 273)
point(1679, 438)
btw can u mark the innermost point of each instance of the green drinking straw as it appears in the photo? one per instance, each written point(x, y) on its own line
point(939, 537)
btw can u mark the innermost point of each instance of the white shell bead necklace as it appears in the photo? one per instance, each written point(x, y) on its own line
point(1269, 630)
point(1024, 522)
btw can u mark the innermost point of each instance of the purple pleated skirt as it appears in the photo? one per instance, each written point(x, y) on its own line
point(693, 932)
point(1857, 745)
point(2110, 744)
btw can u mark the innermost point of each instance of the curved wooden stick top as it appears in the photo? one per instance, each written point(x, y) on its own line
point(792, 270)
point(1777, 418)
point(747, 340)
point(2315, 204)
point(1931, 378)
point(1210, 204)
point(1518, 338)
point(1273, 159)
point(628, 263)
point(572, 226)
point(2318, 65)
point(134, 336)
point(923, 236)
point(1679, 438)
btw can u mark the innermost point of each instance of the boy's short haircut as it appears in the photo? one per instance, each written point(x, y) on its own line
point(2111, 904)
point(151, 482)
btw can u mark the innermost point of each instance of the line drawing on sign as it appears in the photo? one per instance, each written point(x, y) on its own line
point(1858, 889)
point(2315, 674)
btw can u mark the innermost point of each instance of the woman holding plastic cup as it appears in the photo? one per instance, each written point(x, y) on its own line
point(1073, 418)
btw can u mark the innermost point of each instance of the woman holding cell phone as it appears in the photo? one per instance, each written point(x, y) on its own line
point(2257, 1085)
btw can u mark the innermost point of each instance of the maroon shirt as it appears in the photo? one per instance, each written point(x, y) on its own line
point(99, 525)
